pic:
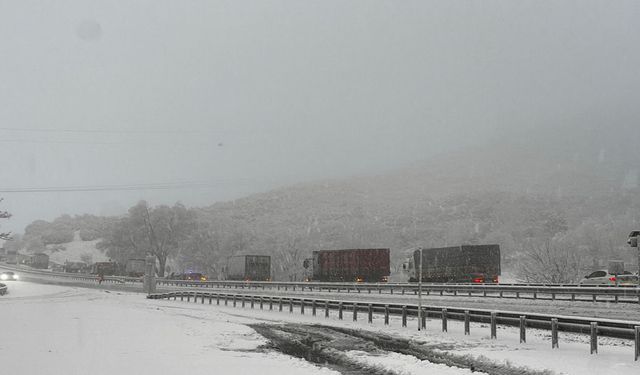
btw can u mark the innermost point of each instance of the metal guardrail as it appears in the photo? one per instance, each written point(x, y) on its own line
point(627, 294)
point(545, 292)
point(555, 323)
point(3, 289)
point(70, 276)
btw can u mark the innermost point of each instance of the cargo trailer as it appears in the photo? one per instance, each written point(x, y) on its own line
point(349, 265)
point(249, 268)
point(461, 264)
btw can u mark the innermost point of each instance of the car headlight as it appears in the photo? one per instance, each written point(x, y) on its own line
point(15, 277)
point(3, 277)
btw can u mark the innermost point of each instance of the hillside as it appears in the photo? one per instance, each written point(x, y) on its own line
point(583, 190)
point(569, 200)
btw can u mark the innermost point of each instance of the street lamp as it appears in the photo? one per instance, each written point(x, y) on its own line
point(420, 292)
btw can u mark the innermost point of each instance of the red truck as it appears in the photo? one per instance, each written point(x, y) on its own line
point(349, 265)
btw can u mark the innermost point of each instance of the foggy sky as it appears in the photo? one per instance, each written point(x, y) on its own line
point(251, 95)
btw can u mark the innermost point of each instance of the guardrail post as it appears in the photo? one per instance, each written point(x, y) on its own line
point(403, 291)
point(573, 296)
point(243, 301)
point(340, 307)
point(517, 294)
point(174, 297)
point(280, 304)
point(301, 307)
point(270, 303)
point(444, 320)
point(500, 294)
point(355, 312)
point(290, 306)
point(181, 297)
point(423, 323)
point(234, 301)
point(404, 315)
point(554, 333)
point(195, 297)
point(553, 296)
point(226, 300)
point(594, 298)
point(218, 299)
point(386, 314)
point(313, 307)
point(370, 313)
point(523, 329)
point(252, 301)
point(202, 301)
point(594, 337)
point(467, 318)
point(210, 298)
point(637, 340)
point(616, 298)
point(494, 333)
point(261, 303)
point(326, 309)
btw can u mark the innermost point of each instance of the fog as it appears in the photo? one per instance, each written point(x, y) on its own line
point(203, 101)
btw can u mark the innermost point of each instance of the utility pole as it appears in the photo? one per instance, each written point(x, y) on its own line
point(420, 292)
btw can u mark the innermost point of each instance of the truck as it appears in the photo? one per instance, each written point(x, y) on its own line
point(135, 267)
point(249, 268)
point(12, 257)
point(104, 268)
point(74, 267)
point(39, 260)
point(349, 265)
point(477, 264)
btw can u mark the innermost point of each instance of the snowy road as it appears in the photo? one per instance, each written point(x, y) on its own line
point(70, 330)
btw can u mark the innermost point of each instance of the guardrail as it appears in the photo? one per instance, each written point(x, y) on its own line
point(627, 294)
point(544, 292)
point(592, 326)
point(70, 276)
point(3, 289)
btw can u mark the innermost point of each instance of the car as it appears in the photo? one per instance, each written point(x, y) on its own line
point(9, 276)
point(603, 277)
point(633, 238)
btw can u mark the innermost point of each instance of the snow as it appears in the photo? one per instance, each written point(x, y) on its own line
point(69, 329)
point(406, 364)
point(73, 251)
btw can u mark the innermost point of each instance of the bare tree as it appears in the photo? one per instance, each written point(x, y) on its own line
point(552, 261)
point(4, 215)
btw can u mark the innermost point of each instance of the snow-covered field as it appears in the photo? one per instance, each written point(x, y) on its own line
point(71, 330)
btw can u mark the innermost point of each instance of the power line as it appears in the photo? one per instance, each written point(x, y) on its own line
point(113, 131)
point(127, 187)
point(132, 143)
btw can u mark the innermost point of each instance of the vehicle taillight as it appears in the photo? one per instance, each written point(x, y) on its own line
point(612, 278)
point(478, 280)
point(495, 279)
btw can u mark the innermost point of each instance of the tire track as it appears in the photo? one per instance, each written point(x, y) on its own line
point(326, 345)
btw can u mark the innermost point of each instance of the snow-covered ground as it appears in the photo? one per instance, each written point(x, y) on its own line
point(71, 330)
point(75, 250)
point(66, 330)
